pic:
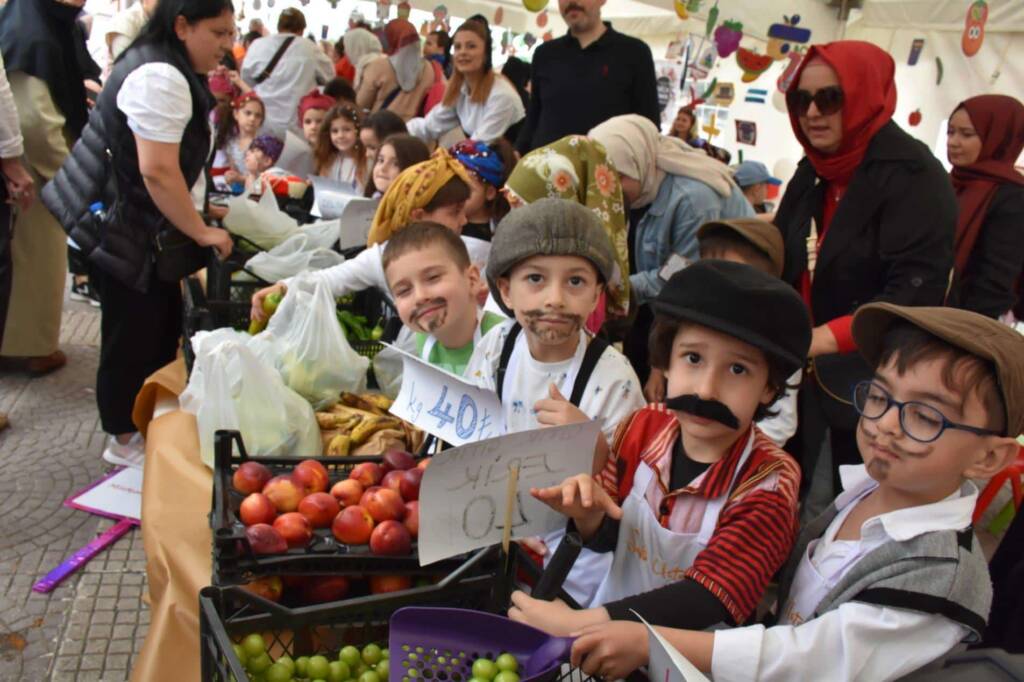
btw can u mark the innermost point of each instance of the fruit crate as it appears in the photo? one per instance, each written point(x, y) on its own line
point(235, 563)
point(229, 614)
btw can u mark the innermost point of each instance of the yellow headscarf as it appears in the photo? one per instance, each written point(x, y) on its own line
point(414, 188)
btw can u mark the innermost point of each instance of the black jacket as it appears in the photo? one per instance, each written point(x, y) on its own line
point(989, 280)
point(574, 89)
point(104, 166)
point(891, 239)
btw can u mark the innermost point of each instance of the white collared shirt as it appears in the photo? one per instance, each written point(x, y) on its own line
point(11, 142)
point(300, 68)
point(487, 121)
point(856, 641)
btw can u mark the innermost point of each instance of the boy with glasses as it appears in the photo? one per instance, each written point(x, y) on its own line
point(890, 577)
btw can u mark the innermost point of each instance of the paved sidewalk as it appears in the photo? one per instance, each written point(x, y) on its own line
point(92, 626)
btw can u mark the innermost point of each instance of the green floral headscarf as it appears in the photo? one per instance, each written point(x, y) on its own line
point(577, 168)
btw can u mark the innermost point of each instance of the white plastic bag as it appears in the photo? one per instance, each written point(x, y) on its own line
point(322, 234)
point(231, 389)
point(263, 223)
point(292, 256)
point(313, 356)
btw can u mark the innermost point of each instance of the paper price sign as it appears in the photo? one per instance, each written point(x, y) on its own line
point(446, 405)
point(666, 664)
point(464, 492)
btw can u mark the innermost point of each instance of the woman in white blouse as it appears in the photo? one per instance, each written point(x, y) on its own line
point(483, 102)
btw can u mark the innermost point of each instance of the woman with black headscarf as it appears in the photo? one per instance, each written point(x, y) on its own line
point(37, 38)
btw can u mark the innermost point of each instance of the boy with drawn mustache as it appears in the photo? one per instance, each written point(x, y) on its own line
point(696, 504)
point(548, 265)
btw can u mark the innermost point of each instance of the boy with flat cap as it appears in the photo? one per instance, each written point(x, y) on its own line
point(548, 265)
point(891, 577)
point(697, 505)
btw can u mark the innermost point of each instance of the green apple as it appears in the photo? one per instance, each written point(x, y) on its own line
point(484, 669)
point(507, 662)
point(318, 667)
point(350, 656)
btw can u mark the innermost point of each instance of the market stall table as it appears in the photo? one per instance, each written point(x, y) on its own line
point(176, 497)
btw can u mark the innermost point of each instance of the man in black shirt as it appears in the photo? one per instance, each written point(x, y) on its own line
point(586, 77)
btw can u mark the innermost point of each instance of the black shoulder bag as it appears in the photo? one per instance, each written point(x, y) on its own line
point(272, 64)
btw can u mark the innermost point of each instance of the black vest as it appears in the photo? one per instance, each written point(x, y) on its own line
point(104, 166)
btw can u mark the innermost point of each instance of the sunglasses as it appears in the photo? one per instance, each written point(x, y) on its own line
point(828, 101)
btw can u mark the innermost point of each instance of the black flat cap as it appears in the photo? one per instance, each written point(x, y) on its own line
point(743, 302)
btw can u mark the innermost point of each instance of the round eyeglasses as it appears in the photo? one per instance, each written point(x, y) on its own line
point(920, 422)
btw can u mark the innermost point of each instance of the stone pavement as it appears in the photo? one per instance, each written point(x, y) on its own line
point(91, 627)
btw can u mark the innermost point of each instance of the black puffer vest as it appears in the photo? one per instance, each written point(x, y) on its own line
point(104, 166)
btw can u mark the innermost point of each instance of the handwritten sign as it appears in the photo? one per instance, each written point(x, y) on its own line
point(666, 664)
point(333, 199)
point(464, 492)
point(446, 405)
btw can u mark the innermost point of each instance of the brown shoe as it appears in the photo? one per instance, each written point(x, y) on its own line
point(44, 364)
point(4, 421)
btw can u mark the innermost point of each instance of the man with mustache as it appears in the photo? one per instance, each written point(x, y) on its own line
point(548, 265)
point(585, 77)
point(693, 487)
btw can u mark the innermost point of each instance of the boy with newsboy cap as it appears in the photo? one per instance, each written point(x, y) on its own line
point(549, 262)
point(891, 576)
point(697, 505)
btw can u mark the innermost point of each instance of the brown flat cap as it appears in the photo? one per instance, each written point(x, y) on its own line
point(761, 234)
point(973, 333)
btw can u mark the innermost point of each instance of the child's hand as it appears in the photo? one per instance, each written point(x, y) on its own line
point(557, 411)
point(553, 617)
point(232, 176)
point(256, 313)
point(583, 500)
point(654, 389)
point(610, 650)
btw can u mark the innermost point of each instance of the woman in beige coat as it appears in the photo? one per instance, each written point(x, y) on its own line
point(36, 37)
point(398, 81)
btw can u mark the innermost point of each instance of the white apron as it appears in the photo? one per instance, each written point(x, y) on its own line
point(648, 555)
point(590, 567)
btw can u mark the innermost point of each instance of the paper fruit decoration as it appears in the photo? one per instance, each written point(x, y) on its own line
point(499, 15)
point(680, 8)
point(727, 37)
point(542, 19)
point(535, 5)
point(974, 27)
point(915, 117)
point(712, 19)
point(710, 128)
point(789, 73)
point(752, 64)
point(547, 36)
point(915, 51)
point(782, 37)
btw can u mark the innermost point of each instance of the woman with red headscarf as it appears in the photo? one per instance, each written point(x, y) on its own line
point(398, 80)
point(984, 139)
point(869, 215)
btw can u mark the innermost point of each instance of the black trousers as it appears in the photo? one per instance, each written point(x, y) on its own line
point(6, 265)
point(139, 335)
point(812, 430)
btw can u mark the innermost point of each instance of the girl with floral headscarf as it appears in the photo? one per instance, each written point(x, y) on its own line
point(577, 169)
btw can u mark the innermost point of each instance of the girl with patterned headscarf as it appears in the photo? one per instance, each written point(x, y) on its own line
point(489, 166)
point(577, 168)
point(435, 190)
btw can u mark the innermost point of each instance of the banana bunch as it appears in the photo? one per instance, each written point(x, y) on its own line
point(356, 418)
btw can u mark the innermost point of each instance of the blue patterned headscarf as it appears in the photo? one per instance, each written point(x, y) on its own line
point(482, 160)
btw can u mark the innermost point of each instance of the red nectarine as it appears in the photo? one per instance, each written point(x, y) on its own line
point(368, 474)
point(412, 518)
point(383, 504)
point(347, 492)
point(390, 538)
point(294, 528)
point(250, 477)
point(319, 508)
point(409, 487)
point(284, 494)
point(265, 540)
point(353, 526)
point(257, 508)
point(311, 476)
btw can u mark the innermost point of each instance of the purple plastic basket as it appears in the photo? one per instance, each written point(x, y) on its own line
point(441, 644)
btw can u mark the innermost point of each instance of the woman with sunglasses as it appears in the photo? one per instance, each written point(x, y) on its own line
point(868, 216)
point(984, 138)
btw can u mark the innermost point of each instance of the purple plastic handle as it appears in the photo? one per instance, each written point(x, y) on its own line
point(473, 633)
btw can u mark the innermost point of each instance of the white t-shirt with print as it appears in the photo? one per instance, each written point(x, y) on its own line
point(612, 393)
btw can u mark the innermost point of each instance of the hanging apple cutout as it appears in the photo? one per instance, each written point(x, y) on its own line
point(547, 36)
point(974, 27)
point(535, 5)
point(915, 117)
point(542, 19)
point(499, 15)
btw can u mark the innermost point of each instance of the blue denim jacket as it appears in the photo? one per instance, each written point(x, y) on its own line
point(670, 226)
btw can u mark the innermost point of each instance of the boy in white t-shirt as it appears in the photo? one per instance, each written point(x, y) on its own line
point(548, 265)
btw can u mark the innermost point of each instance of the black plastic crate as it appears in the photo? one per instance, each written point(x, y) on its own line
point(233, 560)
point(227, 615)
